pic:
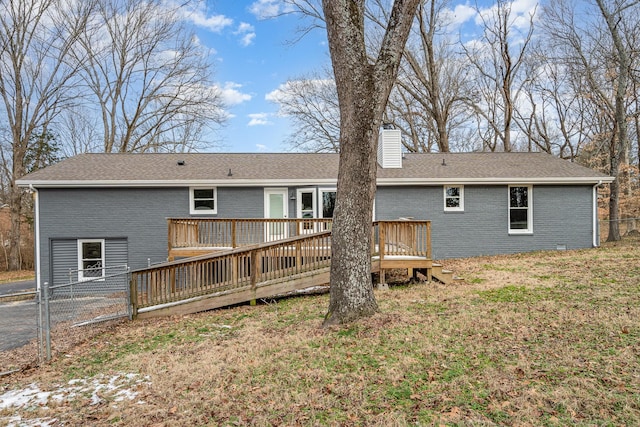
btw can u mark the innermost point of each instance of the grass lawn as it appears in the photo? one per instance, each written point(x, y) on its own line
point(546, 338)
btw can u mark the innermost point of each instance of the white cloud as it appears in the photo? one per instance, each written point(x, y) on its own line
point(247, 39)
point(245, 28)
point(520, 12)
point(247, 33)
point(523, 6)
point(265, 9)
point(231, 95)
point(198, 16)
point(277, 94)
point(261, 147)
point(457, 17)
point(259, 119)
point(285, 90)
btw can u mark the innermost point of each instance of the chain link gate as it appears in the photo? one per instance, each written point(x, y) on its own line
point(71, 310)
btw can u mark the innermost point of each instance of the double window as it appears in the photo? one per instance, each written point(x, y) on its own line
point(203, 201)
point(453, 198)
point(520, 209)
point(90, 259)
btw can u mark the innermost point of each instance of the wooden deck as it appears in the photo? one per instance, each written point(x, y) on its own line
point(236, 261)
point(189, 237)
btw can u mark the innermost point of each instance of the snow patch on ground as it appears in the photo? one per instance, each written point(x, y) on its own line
point(117, 387)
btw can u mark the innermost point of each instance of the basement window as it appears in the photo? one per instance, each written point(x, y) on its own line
point(90, 259)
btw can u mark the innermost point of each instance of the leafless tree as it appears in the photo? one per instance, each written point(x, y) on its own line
point(612, 14)
point(312, 104)
point(431, 80)
point(596, 48)
point(35, 84)
point(551, 113)
point(147, 76)
point(496, 65)
point(426, 104)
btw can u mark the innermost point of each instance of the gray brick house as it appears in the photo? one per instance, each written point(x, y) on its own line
point(113, 208)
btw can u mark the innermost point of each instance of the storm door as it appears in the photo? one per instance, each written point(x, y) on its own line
point(276, 207)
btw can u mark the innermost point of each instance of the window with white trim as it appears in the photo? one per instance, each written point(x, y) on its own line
point(203, 200)
point(90, 259)
point(453, 198)
point(520, 209)
point(327, 203)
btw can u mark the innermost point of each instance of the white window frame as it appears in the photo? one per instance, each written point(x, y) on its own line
point(314, 201)
point(321, 191)
point(192, 199)
point(529, 229)
point(460, 207)
point(81, 259)
point(320, 199)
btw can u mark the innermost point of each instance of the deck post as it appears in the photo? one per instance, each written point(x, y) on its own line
point(254, 273)
point(234, 243)
point(170, 238)
point(382, 236)
point(382, 281)
point(429, 239)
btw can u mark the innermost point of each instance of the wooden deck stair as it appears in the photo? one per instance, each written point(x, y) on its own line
point(442, 275)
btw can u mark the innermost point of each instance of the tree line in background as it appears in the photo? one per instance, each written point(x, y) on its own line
point(563, 79)
point(129, 76)
point(96, 76)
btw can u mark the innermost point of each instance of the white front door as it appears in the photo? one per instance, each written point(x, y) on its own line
point(276, 207)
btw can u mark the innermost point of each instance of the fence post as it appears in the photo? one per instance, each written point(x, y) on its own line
point(47, 320)
point(131, 296)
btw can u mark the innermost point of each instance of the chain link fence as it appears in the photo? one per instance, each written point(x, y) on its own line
point(57, 318)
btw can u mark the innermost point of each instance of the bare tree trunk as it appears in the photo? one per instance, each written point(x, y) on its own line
point(619, 141)
point(363, 89)
point(35, 38)
point(15, 235)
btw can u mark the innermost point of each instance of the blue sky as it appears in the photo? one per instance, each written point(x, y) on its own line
point(253, 56)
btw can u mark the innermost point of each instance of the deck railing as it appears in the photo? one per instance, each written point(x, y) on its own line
point(401, 238)
point(249, 266)
point(217, 233)
point(229, 270)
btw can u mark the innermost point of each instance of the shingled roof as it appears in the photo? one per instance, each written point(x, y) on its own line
point(113, 170)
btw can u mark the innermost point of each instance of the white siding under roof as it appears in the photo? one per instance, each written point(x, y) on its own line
point(390, 149)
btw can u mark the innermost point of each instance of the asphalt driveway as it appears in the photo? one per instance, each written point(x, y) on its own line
point(18, 323)
point(16, 287)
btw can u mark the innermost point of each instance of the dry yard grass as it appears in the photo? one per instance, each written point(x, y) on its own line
point(14, 276)
point(548, 338)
